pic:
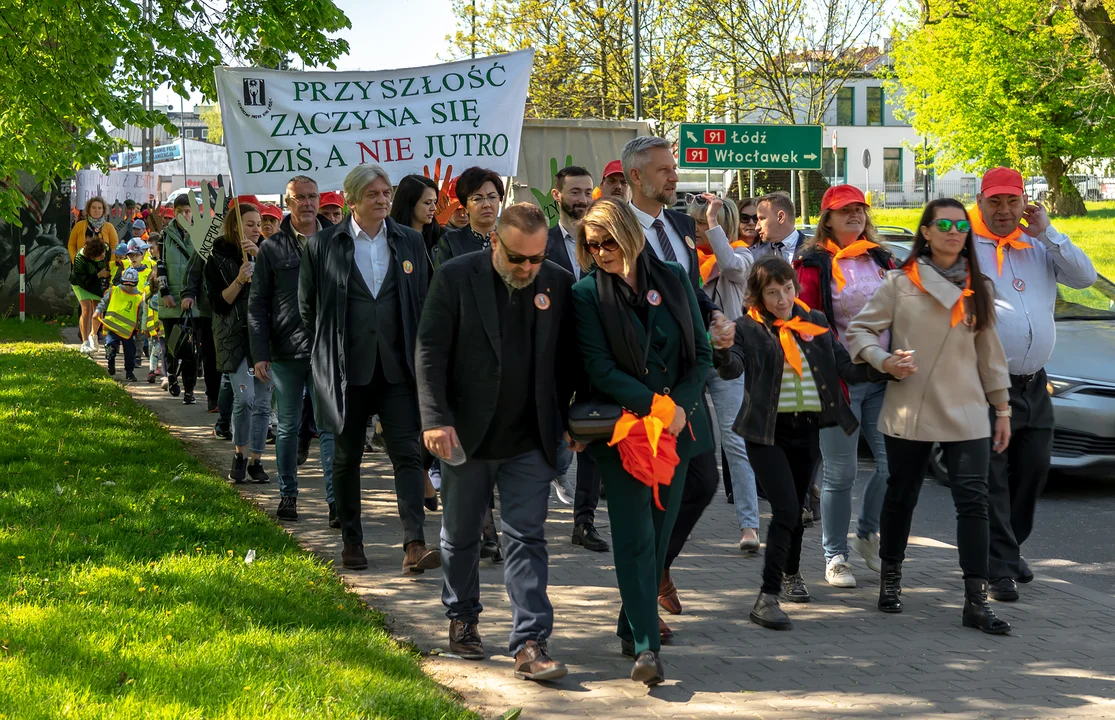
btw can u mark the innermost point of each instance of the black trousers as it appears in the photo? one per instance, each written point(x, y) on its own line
point(1017, 477)
point(967, 464)
point(587, 495)
point(784, 471)
point(308, 428)
point(700, 487)
point(397, 407)
point(209, 359)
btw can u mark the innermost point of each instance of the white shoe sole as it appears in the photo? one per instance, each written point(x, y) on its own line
point(843, 582)
point(871, 560)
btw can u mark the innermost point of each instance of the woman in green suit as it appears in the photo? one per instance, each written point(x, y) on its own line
point(630, 296)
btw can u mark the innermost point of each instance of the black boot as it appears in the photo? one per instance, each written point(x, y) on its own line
point(768, 614)
point(890, 587)
point(977, 613)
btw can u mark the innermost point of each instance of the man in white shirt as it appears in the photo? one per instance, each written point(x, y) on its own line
point(572, 192)
point(362, 285)
point(1026, 263)
point(776, 228)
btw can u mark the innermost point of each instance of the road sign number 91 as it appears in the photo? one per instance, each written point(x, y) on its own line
point(696, 155)
point(715, 137)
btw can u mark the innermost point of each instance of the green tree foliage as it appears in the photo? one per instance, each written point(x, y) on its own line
point(1009, 82)
point(211, 116)
point(68, 70)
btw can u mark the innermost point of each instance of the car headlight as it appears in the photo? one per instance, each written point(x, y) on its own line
point(1059, 387)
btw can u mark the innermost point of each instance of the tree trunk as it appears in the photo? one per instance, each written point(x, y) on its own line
point(803, 195)
point(1100, 32)
point(1064, 198)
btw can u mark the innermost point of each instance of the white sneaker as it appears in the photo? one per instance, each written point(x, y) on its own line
point(92, 341)
point(563, 490)
point(868, 548)
point(85, 347)
point(435, 478)
point(838, 572)
point(165, 383)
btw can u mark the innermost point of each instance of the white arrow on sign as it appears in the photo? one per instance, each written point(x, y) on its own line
point(810, 156)
point(691, 136)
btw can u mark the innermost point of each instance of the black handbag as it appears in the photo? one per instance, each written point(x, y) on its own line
point(183, 338)
point(592, 420)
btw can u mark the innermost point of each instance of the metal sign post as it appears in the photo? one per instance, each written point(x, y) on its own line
point(22, 282)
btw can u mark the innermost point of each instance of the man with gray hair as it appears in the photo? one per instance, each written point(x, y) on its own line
point(361, 288)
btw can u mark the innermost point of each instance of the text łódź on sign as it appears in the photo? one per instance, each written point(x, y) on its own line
point(322, 124)
point(724, 146)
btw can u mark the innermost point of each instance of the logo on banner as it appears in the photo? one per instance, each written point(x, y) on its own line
point(255, 96)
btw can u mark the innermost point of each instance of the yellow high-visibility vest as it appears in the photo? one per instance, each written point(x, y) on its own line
point(122, 314)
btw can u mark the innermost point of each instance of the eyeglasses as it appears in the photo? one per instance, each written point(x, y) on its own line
point(691, 199)
point(745, 218)
point(312, 197)
point(516, 259)
point(945, 225)
point(492, 199)
point(594, 248)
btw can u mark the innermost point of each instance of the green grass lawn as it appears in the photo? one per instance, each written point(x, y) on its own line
point(34, 330)
point(123, 587)
point(1094, 233)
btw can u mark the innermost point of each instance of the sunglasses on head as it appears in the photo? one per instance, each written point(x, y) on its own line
point(691, 199)
point(516, 259)
point(745, 218)
point(609, 245)
point(945, 225)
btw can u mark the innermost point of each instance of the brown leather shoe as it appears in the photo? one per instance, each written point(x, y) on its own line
point(664, 632)
point(668, 595)
point(352, 557)
point(417, 559)
point(464, 640)
point(534, 663)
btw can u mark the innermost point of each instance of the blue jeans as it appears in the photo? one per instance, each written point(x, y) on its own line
point(727, 399)
point(524, 491)
point(290, 379)
point(251, 409)
point(840, 454)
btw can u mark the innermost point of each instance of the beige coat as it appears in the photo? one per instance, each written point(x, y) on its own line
point(960, 372)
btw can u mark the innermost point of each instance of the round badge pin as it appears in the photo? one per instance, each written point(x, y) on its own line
point(807, 338)
point(689, 241)
point(1019, 284)
point(542, 301)
point(654, 298)
point(408, 267)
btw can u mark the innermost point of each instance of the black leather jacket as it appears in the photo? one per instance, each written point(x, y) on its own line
point(757, 354)
point(274, 324)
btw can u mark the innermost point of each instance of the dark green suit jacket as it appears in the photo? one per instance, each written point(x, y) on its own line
point(663, 369)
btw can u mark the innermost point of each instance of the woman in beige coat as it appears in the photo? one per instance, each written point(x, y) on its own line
point(940, 306)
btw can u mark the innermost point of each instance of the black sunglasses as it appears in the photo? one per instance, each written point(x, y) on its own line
point(745, 218)
point(516, 259)
point(611, 245)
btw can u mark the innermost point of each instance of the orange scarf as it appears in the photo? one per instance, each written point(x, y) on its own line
point(912, 272)
point(786, 330)
point(647, 451)
point(859, 247)
point(979, 227)
point(707, 260)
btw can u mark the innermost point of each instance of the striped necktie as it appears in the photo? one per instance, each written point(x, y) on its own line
point(667, 249)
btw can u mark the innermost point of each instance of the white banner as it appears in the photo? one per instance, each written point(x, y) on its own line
point(323, 124)
point(117, 186)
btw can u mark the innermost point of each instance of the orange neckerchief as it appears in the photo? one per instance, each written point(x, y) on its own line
point(654, 425)
point(707, 259)
point(979, 227)
point(786, 330)
point(859, 247)
point(912, 272)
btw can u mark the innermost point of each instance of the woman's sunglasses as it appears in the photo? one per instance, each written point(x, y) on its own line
point(594, 248)
point(745, 218)
point(945, 225)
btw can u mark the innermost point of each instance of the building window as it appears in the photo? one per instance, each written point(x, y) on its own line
point(839, 173)
point(892, 165)
point(846, 106)
point(189, 132)
point(205, 133)
point(874, 106)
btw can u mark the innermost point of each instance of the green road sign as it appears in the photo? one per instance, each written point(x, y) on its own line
point(723, 146)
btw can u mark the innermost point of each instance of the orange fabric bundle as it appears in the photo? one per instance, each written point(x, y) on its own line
point(981, 229)
point(957, 309)
point(859, 247)
point(645, 449)
point(786, 329)
point(707, 259)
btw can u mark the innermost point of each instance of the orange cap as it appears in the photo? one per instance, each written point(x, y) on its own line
point(331, 198)
point(838, 196)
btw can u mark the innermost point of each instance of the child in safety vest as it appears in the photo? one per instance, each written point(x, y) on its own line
point(123, 313)
point(156, 361)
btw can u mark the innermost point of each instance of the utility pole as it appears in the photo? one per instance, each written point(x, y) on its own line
point(473, 35)
point(147, 152)
point(182, 139)
point(638, 94)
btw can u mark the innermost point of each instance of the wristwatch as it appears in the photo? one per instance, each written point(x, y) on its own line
point(1003, 413)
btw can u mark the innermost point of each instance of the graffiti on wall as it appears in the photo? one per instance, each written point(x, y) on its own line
point(45, 231)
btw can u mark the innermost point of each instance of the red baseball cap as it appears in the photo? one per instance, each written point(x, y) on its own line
point(838, 196)
point(167, 212)
point(245, 200)
point(1002, 181)
point(615, 167)
point(269, 210)
point(331, 198)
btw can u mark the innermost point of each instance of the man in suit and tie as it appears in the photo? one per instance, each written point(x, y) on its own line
point(572, 192)
point(361, 286)
point(498, 362)
point(777, 216)
point(651, 170)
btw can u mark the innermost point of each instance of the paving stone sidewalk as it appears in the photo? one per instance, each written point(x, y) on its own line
point(843, 658)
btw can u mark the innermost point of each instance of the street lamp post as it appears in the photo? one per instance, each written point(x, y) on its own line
point(638, 92)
